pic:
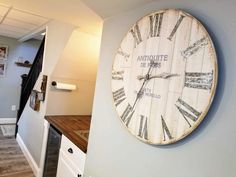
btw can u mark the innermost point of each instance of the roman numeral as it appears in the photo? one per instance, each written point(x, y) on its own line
point(199, 80)
point(127, 115)
point(142, 133)
point(196, 46)
point(176, 27)
point(136, 34)
point(117, 75)
point(122, 53)
point(187, 111)
point(119, 96)
point(155, 24)
point(165, 129)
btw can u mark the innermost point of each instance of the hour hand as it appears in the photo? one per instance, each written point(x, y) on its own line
point(162, 76)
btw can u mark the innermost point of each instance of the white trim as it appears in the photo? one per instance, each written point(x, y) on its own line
point(27, 154)
point(7, 120)
point(44, 148)
point(35, 32)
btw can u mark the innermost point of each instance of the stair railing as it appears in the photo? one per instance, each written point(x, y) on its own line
point(28, 81)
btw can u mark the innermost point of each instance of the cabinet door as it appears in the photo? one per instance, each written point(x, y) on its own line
point(64, 170)
point(73, 153)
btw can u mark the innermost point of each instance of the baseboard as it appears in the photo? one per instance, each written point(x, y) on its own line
point(28, 156)
point(7, 120)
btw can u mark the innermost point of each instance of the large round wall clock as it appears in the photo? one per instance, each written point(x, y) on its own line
point(164, 76)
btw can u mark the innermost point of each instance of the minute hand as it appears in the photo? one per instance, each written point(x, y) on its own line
point(162, 76)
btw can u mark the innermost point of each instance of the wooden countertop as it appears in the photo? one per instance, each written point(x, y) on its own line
point(71, 127)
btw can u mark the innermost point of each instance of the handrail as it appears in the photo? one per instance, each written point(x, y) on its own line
point(29, 81)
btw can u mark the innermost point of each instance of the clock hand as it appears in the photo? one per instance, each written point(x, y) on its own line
point(146, 78)
point(162, 76)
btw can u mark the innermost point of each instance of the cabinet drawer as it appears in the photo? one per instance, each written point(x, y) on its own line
point(66, 168)
point(73, 153)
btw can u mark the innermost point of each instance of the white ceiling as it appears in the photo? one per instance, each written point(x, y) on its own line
point(17, 23)
point(19, 17)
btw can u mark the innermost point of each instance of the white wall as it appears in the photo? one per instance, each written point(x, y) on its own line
point(31, 124)
point(210, 150)
point(10, 85)
point(77, 65)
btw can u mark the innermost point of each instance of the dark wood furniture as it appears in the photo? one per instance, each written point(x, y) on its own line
point(74, 127)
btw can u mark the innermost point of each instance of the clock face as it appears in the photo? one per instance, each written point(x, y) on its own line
point(164, 76)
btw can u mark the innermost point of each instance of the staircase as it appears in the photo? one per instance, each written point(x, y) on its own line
point(28, 81)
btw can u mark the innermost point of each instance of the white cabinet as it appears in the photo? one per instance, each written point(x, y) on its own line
point(71, 160)
point(63, 168)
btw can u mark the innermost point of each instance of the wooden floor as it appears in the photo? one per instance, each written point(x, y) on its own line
point(12, 160)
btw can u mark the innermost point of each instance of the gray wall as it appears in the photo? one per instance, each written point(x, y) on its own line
point(10, 85)
point(210, 150)
point(31, 124)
